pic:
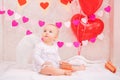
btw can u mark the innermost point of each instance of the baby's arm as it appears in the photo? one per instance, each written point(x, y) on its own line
point(38, 60)
point(37, 55)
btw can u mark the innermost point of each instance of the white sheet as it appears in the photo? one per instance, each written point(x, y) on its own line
point(94, 71)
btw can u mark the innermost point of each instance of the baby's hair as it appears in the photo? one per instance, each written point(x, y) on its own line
point(52, 24)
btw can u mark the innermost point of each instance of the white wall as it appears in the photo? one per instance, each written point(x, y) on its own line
point(0, 35)
point(1, 49)
point(12, 36)
point(116, 34)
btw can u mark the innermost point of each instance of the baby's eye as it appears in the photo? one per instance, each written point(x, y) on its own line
point(44, 30)
point(50, 31)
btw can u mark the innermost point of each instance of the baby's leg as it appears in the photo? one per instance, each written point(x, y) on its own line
point(51, 70)
point(78, 68)
point(67, 66)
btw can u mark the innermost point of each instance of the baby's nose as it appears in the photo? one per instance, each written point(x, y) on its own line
point(47, 33)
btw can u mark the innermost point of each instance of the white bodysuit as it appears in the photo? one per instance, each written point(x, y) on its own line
point(44, 52)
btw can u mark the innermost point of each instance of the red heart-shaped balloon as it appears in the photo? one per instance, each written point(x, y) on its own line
point(86, 31)
point(89, 7)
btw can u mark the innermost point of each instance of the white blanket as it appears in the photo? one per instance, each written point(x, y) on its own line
point(94, 71)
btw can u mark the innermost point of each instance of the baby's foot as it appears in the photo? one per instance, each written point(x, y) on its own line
point(67, 72)
point(78, 68)
point(82, 67)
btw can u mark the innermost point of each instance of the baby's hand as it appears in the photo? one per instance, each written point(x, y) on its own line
point(65, 65)
point(60, 62)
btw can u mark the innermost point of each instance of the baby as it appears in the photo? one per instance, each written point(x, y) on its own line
point(46, 58)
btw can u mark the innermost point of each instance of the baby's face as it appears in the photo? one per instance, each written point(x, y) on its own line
point(50, 33)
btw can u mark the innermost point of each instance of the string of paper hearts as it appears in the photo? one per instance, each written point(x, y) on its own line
point(65, 2)
point(70, 44)
point(44, 5)
point(42, 23)
point(26, 19)
point(76, 44)
point(58, 24)
point(10, 12)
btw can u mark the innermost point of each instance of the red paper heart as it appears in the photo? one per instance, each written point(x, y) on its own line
point(22, 2)
point(65, 2)
point(44, 5)
point(89, 7)
point(86, 31)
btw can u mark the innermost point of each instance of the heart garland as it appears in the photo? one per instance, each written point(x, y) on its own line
point(58, 24)
point(65, 2)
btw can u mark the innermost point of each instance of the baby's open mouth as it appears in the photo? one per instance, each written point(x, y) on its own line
point(46, 36)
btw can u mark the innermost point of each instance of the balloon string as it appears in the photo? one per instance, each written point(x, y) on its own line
point(79, 49)
point(80, 46)
point(78, 34)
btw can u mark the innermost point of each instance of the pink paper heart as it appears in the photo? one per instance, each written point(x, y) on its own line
point(107, 9)
point(60, 44)
point(2, 11)
point(59, 24)
point(28, 32)
point(92, 17)
point(76, 44)
point(25, 19)
point(14, 23)
point(93, 40)
point(41, 23)
point(76, 22)
point(10, 12)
